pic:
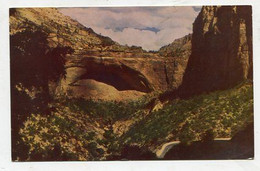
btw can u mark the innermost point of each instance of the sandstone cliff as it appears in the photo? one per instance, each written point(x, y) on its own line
point(221, 49)
point(111, 78)
point(179, 50)
point(62, 30)
point(99, 67)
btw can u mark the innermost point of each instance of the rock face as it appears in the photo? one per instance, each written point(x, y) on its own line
point(113, 78)
point(180, 51)
point(101, 68)
point(221, 50)
point(62, 30)
point(178, 48)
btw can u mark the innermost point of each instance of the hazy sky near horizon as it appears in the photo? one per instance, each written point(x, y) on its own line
point(149, 27)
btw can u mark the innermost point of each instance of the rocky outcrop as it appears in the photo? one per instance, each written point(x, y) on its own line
point(100, 68)
point(221, 50)
point(62, 30)
point(113, 78)
point(179, 50)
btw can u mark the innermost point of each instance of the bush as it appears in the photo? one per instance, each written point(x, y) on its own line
point(223, 112)
point(107, 111)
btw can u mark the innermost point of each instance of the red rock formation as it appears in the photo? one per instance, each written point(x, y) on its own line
point(99, 67)
point(221, 50)
point(128, 76)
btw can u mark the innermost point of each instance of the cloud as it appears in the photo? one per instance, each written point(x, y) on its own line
point(149, 27)
point(153, 29)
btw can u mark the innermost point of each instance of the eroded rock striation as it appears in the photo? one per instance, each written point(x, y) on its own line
point(180, 50)
point(113, 78)
point(221, 50)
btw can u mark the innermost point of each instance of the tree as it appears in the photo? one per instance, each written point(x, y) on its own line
point(33, 65)
point(33, 62)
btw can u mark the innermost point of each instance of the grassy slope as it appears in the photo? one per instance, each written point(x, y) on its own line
point(221, 112)
point(82, 130)
point(77, 129)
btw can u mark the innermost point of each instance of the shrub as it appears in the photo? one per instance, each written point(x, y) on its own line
point(223, 112)
point(107, 111)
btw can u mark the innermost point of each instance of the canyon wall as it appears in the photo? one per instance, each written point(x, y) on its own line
point(112, 78)
point(221, 50)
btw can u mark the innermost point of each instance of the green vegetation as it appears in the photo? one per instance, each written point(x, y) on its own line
point(223, 112)
point(33, 65)
point(107, 111)
point(77, 129)
point(81, 129)
point(44, 135)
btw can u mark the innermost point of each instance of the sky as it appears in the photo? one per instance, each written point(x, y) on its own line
point(148, 27)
